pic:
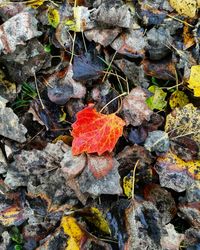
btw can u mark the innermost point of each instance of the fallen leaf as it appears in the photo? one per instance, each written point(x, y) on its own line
point(62, 87)
point(135, 110)
point(194, 80)
point(102, 36)
point(178, 99)
point(8, 89)
point(53, 17)
point(35, 3)
point(188, 37)
point(113, 14)
point(100, 166)
point(163, 200)
point(157, 141)
point(157, 101)
point(95, 217)
point(81, 20)
point(95, 132)
point(184, 121)
point(190, 212)
point(131, 43)
point(128, 184)
point(185, 7)
point(156, 42)
point(133, 72)
point(143, 225)
point(87, 67)
point(161, 69)
point(76, 235)
point(176, 173)
point(26, 26)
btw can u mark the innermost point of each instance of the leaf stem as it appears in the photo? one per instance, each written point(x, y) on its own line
point(125, 93)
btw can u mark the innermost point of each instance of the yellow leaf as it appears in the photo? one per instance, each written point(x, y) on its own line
point(176, 164)
point(72, 229)
point(35, 3)
point(185, 7)
point(128, 185)
point(98, 220)
point(53, 17)
point(178, 99)
point(184, 121)
point(194, 80)
point(81, 17)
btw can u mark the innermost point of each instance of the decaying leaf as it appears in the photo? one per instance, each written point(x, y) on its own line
point(131, 43)
point(91, 174)
point(161, 69)
point(8, 89)
point(53, 17)
point(128, 185)
point(188, 37)
point(105, 181)
point(143, 224)
point(184, 121)
point(194, 80)
point(95, 132)
point(95, 216)
point(133, 72)
point(113, 14)
point(26, 26)
point(157, 141)
point(9, 123)
point(185, 7)
point(81, 20)
point(157, 101)
point(163, 200)
point(87, 67)
point(135, 110)
point(176, 173)
point(102, 36)
point(62, 87)
point(73, 230)
point(178, 99)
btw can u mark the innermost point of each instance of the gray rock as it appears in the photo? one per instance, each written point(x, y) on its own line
point(3, 163)
point(157, 141)
point(16, 30)
point(9, 123)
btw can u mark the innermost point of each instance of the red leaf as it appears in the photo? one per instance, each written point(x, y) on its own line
point(95, 132)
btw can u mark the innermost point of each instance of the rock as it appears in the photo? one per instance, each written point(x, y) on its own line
point(26, 26)
point(9, 123)
point(3, 163)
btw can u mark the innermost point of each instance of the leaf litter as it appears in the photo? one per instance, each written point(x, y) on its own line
point(99, 124)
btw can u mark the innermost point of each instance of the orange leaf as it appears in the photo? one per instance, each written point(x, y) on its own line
point(95, 132)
